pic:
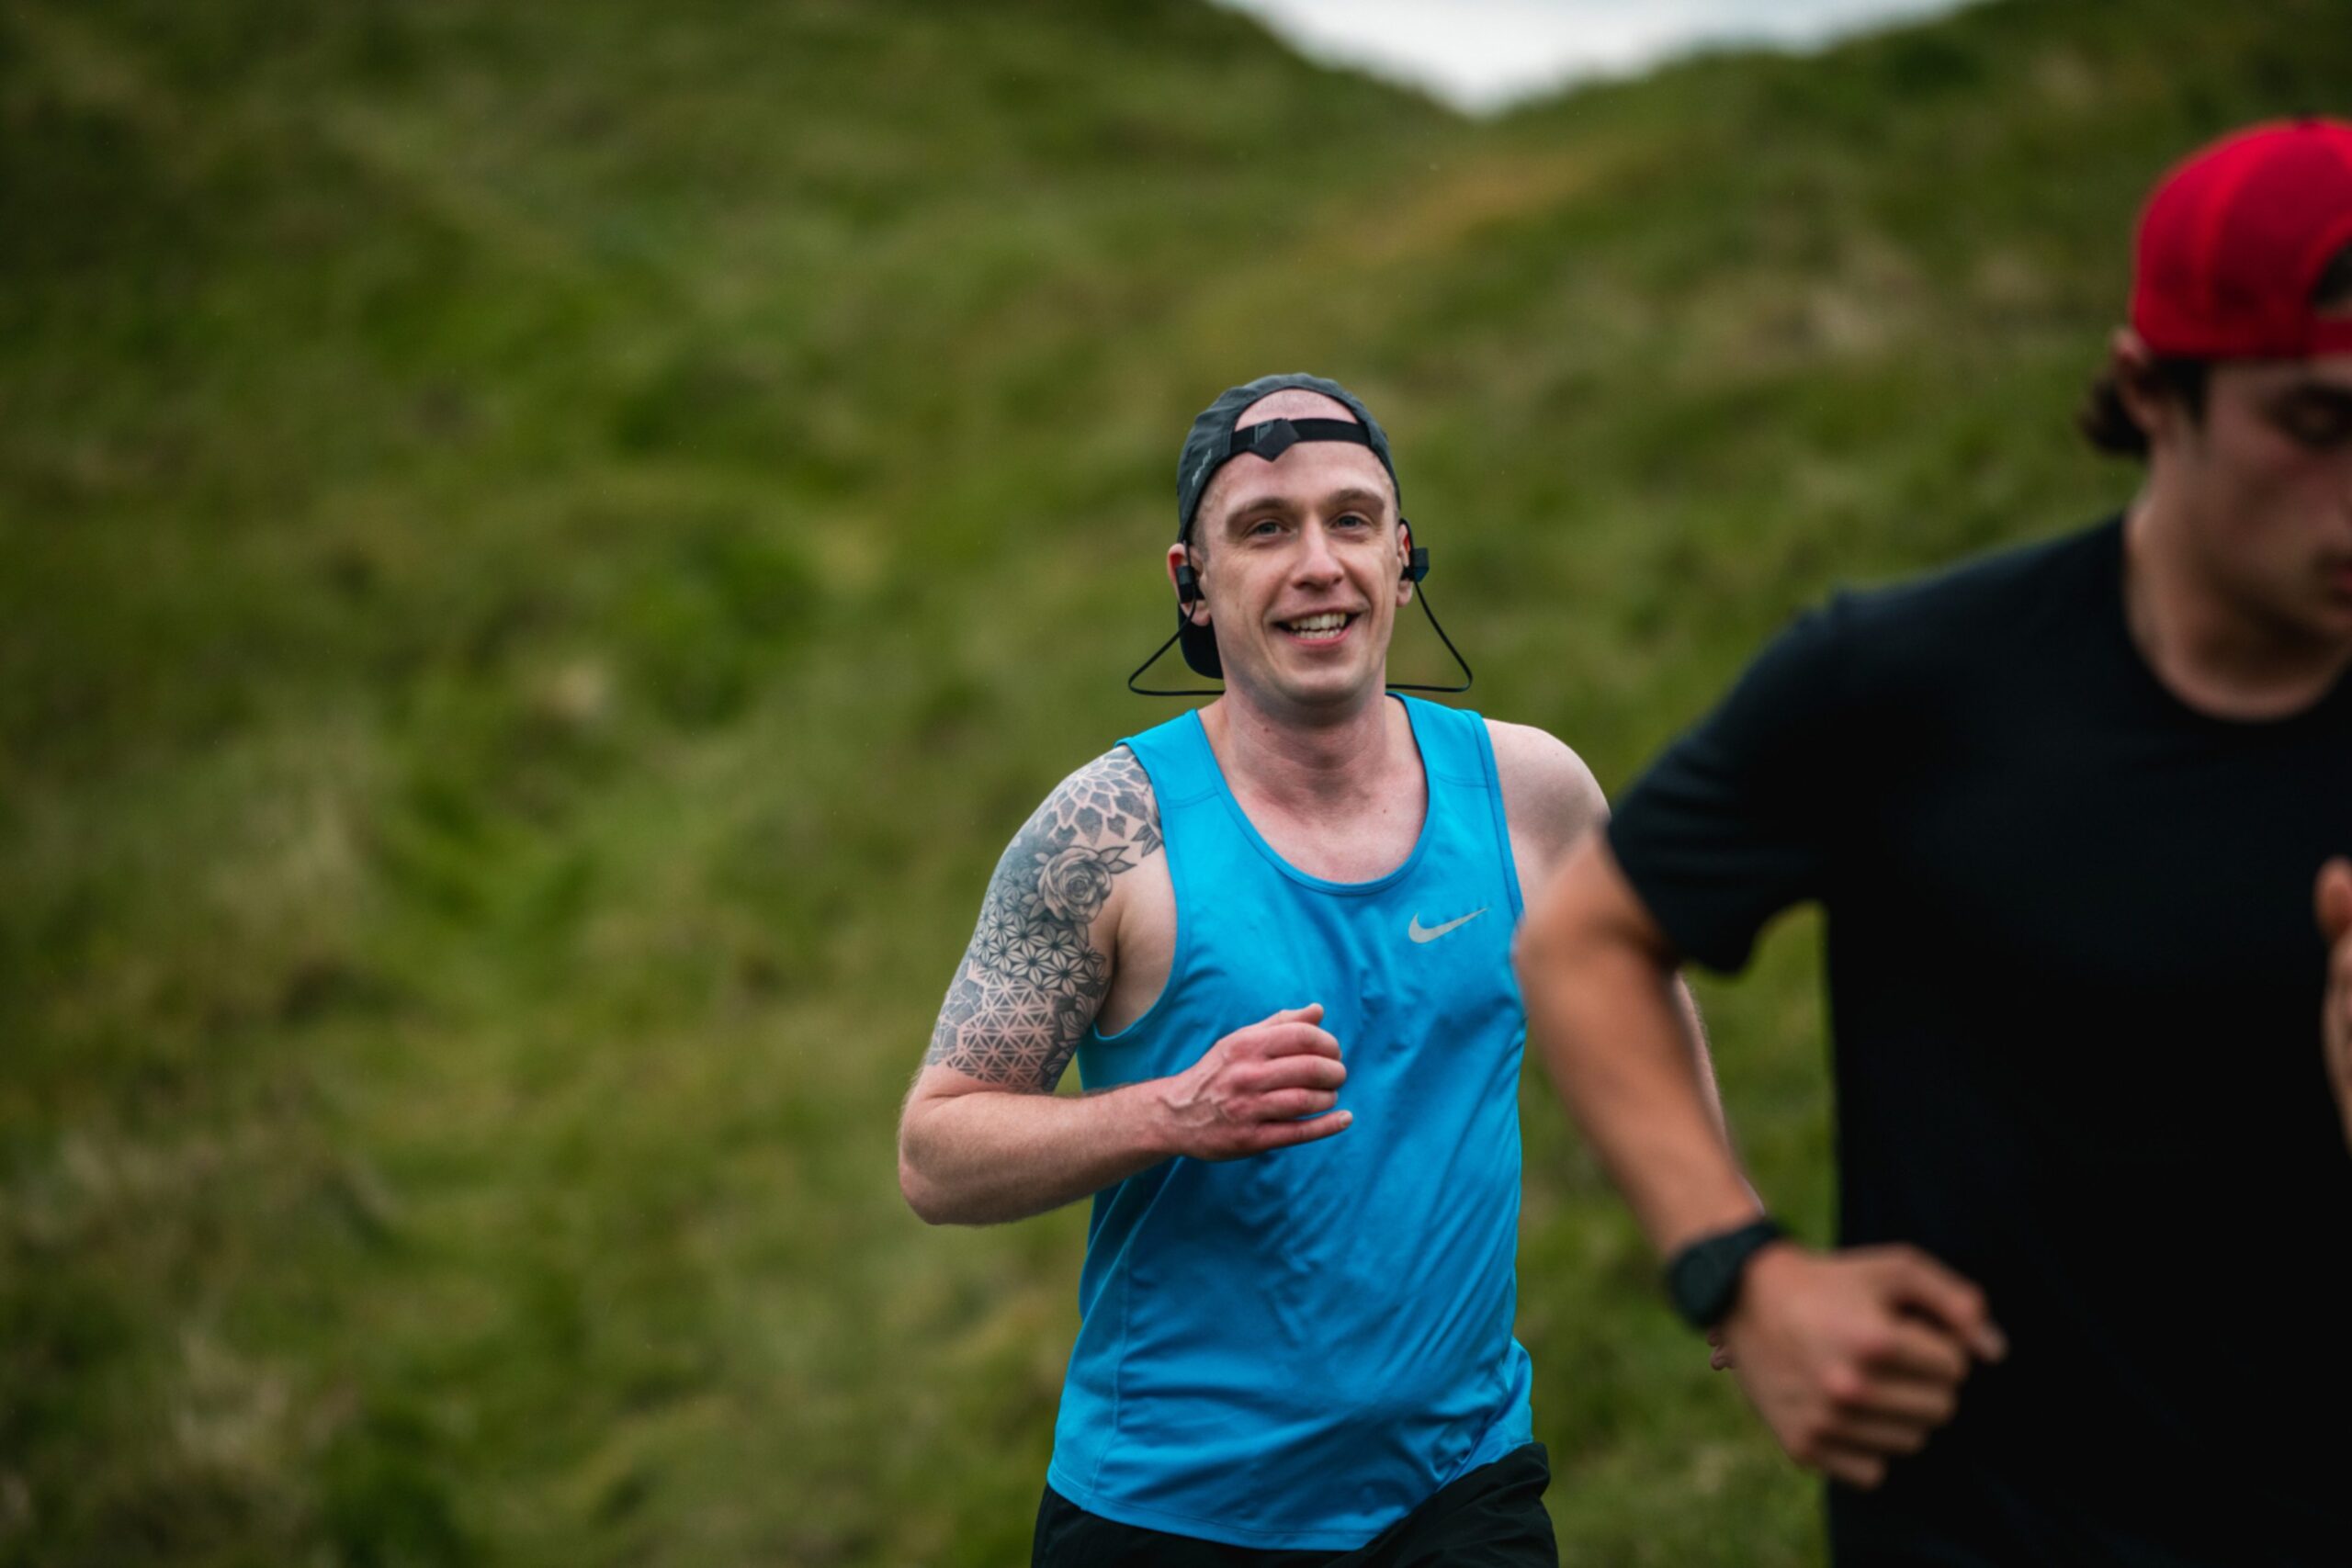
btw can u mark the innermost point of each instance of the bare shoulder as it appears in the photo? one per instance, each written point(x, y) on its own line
point(1549, 795)
point(1039, 964)
point(1100, 821)
point(1107, 801)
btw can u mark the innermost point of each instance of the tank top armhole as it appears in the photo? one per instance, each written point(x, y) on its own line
point(1497, 816)
point(1157, 768)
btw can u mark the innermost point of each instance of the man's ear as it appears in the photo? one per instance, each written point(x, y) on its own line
point(1181, 565)
point(2131, 364)
point(1403, 562)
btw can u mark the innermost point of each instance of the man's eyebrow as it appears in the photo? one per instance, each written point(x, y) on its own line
point(2325, 392)
point(1371, 500)
point(1262, 503)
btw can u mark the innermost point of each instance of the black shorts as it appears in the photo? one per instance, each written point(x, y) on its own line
point(1492, 1517)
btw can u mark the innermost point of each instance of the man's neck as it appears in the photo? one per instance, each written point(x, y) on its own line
point(2215, 653)
point(1311, 764)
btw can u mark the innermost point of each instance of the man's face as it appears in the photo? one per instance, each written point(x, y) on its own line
point(1301, 561)
point(2268, 475)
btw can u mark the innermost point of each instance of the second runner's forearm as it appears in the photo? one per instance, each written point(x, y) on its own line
point(1621, 1045)
point(1687, 1007)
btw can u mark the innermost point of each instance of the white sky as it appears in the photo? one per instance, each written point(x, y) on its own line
point(1481, 54)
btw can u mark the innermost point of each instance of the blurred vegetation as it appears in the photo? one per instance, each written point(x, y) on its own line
point(547, 547)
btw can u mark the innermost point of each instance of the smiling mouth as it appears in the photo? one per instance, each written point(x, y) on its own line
point(1329, 626)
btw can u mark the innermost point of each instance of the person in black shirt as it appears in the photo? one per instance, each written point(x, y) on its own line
point(2066, 809)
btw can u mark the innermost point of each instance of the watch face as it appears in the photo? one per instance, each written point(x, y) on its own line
point(1704, 1282)
point(1704, 1279)
point(1713, 1276)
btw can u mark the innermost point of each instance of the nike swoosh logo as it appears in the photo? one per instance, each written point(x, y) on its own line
point(1420, 932)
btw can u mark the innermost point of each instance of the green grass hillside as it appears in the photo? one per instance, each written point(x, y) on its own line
point(545, 548)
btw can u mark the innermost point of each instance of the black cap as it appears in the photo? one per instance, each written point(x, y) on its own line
point(1210, 445)
point(1213, 442)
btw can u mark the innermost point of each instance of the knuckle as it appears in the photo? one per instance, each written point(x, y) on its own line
point(1843, 1385)
point(1288, 1074)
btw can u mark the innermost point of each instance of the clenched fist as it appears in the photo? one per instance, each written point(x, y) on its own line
point(1853, 1357)
point(1263, 1087)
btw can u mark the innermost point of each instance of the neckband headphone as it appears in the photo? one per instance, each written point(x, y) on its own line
point(1269, 440)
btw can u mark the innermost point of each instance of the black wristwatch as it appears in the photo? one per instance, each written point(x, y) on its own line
point(1703, 1277)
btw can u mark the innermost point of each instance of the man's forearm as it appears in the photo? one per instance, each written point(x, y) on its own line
point(1687, 1007)
point(992, 1155)
point(1621, 1044)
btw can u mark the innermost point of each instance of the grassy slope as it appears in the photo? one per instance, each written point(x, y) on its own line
point(548, 548)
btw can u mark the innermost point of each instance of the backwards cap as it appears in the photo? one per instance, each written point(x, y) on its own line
point(2234, 240)
point(1213, 442)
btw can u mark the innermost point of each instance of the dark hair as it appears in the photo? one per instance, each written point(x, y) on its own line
point(2334, 290)
point(2107, 425)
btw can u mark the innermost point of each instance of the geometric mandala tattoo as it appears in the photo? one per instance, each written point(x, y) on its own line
point(1033, 980)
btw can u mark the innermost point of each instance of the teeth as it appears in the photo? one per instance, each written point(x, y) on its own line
point(1326, 623)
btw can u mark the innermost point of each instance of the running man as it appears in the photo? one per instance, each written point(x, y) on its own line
point(1275, 933)
point(2064, 809)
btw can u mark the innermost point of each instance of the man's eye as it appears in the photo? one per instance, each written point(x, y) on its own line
point(1352, 521)
point(2317, 429)
point(2317, 426)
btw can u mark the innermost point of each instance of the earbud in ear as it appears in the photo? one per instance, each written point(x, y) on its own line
point(1188, 587)
point(1417, 564)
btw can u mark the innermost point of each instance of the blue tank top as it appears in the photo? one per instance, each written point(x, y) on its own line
point(1294, 1349)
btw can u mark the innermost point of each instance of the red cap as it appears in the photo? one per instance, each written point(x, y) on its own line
point(2234, 240)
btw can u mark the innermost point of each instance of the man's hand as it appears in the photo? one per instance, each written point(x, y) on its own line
point(2333, 896)
point(1249, 1093)
point(1858, 1356)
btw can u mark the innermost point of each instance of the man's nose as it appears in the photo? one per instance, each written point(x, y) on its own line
point(1317, 561)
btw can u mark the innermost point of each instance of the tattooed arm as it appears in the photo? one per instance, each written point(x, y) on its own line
point(983, 1136)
